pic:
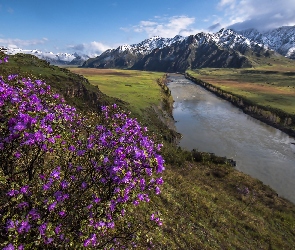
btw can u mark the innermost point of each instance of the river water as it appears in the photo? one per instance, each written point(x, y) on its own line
point(211, 124)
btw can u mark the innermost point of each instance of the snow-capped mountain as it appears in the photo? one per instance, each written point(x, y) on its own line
point(281, 39)
point(225, 48)
point(56, 59)
point(148, 45)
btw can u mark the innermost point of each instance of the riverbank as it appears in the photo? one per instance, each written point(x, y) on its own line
point(211, 124)
point(271, 116)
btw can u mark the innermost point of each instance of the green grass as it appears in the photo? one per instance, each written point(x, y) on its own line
point(202, 208)
point(138, 88)
point(271, 86)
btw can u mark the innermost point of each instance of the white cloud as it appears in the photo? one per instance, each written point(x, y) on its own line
point(226, 2)
point(18, 43)
point(166, 27)
point(92, 49)
point(260, 14)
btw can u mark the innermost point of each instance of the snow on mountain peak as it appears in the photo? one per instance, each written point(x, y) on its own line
point(281, 39)
point(58, 58)
point(147, 45)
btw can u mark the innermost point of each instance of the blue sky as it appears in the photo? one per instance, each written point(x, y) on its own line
point(92, 26)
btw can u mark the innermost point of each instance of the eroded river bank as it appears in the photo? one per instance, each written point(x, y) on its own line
point(211, 124)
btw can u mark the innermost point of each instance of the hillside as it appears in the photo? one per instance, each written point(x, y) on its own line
point(205, 204)
point(76, 89)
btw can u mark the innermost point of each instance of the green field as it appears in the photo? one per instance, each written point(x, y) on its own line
point(138, 88)
point(272, 86)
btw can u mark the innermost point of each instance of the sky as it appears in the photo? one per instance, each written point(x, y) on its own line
point(92, 26)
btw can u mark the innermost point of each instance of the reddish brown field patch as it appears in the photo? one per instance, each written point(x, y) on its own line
point(92, 71)
point(250, 87)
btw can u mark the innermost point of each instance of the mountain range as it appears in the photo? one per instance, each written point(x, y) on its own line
point(55, 59)
point(225, 48)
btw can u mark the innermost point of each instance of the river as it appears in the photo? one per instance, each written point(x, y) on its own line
point(211, 124)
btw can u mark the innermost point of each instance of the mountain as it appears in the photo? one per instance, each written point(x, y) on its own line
point(225, 48)
point(55, 59)
point(281, 39)
point(126, 56)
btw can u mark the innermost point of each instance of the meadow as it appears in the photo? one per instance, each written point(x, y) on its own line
point(269, 85)
point(137, 88)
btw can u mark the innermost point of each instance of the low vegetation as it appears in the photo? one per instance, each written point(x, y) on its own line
point(137, 88)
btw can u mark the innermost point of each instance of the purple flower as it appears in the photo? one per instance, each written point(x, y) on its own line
point(57, 230)
point(55, 96)
point(62, 213)
point(160, 181)
point(34, 214)
point(81, 152)
point(17, 155)
point(87, 243)
point(23, 205)
point(24, 227)
point(84, 185)
point(157, 190)
point(79, 168)
point(10, 224)
point(49, 241)
point(42, 228)
point(64, 184)
point(96, 199)
point(9, 247)
point(47, 186)
point(42, 176)
point(160, 161)
point(55, 173)
point(135, 203)
point(111, 224)
point(140, 197)
point(13, 192)
point(52, 206)
point(24, 189)
point(152, 217)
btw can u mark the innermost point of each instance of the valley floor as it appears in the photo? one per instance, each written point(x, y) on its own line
point(205, 204)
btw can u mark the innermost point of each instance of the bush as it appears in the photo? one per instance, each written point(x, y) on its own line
point(67, 181)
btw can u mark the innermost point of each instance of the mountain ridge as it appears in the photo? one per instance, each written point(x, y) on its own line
point(281, 39)
point(225, 48)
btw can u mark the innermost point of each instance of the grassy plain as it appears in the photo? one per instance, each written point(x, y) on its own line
point(138, 88)
point(267, 85)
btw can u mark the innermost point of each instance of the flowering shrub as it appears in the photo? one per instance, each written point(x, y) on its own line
point(67, 181)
